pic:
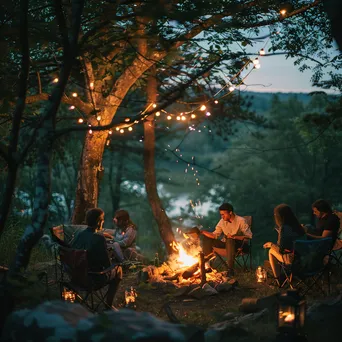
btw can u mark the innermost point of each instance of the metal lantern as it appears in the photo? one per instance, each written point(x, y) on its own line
point(261, 274)
point(291, 313)
point(68, 296)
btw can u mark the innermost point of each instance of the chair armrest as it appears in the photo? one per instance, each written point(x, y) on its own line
point(108, 269)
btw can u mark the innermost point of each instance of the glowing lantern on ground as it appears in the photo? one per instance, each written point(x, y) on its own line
point(261, 274)
point(291, 314)
point(68, 296)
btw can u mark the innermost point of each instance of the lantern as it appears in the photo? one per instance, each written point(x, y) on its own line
point(291, 314)
point(130, 296)
point(261, 274)
point(68, 296)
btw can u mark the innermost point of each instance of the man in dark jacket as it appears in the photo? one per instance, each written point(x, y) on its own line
point(98, 258)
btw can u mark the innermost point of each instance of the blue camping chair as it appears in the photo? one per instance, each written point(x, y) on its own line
point(310, 264)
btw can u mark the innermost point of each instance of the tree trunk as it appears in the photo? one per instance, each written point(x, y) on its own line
point(164, 224)
point(90, 170)
point(115, 187)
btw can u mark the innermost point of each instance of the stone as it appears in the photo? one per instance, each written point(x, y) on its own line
point(181, 291)
point(224, 287)
point(197, 293)
point(60, 321)
point(209, 290)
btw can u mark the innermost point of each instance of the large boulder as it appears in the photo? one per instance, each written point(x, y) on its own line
point(60, 321)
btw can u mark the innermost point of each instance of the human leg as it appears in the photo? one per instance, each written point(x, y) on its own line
point(115, 278)
point(208, 244)
point(275, 258)
point(117, 252)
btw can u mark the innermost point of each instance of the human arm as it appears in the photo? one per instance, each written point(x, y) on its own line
point(325, 234)
point(127, 238)
point(244, 231)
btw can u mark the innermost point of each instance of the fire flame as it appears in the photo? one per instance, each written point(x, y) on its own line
point(184, 259)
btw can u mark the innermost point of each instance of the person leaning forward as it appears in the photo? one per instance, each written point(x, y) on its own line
point(91, 240)
point(234, 229)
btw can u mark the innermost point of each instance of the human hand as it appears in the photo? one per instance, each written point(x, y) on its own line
point(108, 236)
point(267, 245)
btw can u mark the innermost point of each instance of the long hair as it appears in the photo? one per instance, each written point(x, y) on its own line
point(283, 214)
point(123, 219)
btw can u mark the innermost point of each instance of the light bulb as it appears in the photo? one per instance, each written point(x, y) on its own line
point(283, 11)
point(256, 61)
point(178, 117)
point(216, 102)
point(110, 132)
point(231, 88)
point(91, 85)
point(72, 107)
point(262, 52)
point(157, 113)
point(98, 118)
point(258, 66)
point(122, 130)
point(207, 113)
point(80, 120)
point(130, 129)
point(90, 131)
point(74, 95)
point(117, 128)
point(55, 80)
point(193, 116)
point(154, 105)
point(183, 118)
point(127, 120)
point(169, 117)
point(203, 108)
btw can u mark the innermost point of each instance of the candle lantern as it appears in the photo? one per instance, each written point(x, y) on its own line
point(130, 296)
point(261, 275)
point(291, 314)
point(68, 296)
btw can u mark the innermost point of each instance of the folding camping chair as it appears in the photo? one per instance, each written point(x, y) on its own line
point(63, 235)
point(80, 281)
point(243, 256)
point(310, 263)
point(337, 249)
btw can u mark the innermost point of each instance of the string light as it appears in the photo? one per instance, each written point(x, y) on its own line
point(157, 113)
point(117, 128)
point(216, 102)
point(231, 88)
point(256, 61)
point(122, 130)
point(55, 80)
point(90, 131)
point(169, 117)
point(283, 12)
point(207, 114)
point(262, 52)
point(80, 120)
point(74, 95)
point(127, 120)
point(154, 105)
point(203, 108)
point(178, 117)
point(110, 132)
point(107, 142)
point(72, 107)
point(91, 85)
point(193, 116)
point(257, 66)
point(98, 118)
point(183, 118)
point(130, 129)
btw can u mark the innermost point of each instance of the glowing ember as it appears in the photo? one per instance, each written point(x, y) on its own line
point(288, 317)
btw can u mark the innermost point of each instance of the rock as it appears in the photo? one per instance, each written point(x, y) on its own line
point(225, 331)
point(233, 282)
point(224, 287)
point(209, 290)
point(197, 293)
point(61, 321)
point(181, 291)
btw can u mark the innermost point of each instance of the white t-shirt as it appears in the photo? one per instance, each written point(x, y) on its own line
point(238, 226)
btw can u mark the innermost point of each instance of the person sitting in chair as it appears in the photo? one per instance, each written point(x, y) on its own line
point(328, 223)
point(289, 229)
point(234, 228)
point(124, 246)
point(98, 258)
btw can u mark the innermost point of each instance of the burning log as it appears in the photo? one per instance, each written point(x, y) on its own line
point(189, 272)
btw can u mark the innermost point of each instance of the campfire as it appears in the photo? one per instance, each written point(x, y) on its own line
point(188, 268)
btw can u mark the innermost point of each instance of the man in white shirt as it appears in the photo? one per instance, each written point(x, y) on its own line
point(234, 228)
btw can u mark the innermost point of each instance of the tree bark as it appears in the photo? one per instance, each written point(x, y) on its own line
point(164, 224)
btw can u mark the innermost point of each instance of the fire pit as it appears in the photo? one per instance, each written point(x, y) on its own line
point(188, 272)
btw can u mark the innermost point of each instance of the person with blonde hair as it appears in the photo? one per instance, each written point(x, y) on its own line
point(289, 229)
